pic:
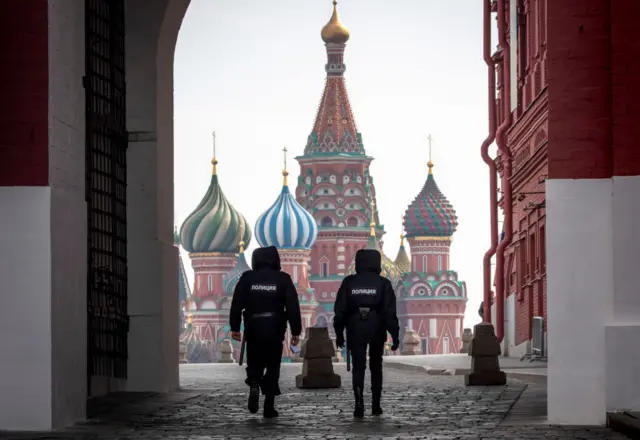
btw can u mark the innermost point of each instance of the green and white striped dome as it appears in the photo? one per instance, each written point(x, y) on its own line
point(215, 225)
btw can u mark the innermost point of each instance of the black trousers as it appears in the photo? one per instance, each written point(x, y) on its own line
point(359, 361)
point(261, 356)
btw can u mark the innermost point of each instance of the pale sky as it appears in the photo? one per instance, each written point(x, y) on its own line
point(253, 71)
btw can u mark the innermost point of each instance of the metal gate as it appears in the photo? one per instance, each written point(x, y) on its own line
point(106, 195)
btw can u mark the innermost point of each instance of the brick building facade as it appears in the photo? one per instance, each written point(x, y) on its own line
point(524, 262)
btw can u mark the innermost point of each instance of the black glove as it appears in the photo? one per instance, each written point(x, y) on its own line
point(340, 341)
point(396, 344)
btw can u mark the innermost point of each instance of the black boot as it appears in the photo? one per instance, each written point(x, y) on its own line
point(359, 407)
point(269, 407)
point(376, 409)
point(254, 397)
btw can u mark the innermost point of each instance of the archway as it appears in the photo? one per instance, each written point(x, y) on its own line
point(47, 203)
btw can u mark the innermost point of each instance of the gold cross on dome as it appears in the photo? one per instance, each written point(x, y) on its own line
point(430, 138)
point(284, 151)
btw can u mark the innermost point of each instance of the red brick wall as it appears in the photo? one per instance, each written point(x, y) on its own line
point(579, 86)
point(598, 85)
point(625, 83)
point(527, 140)
point(24, 91)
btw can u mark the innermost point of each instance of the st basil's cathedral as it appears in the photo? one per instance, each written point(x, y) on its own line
point(318, 230)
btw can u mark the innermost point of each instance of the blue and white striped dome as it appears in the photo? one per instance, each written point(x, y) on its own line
point(286, 224)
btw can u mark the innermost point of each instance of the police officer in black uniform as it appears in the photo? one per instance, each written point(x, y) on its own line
point(267, 299)
point(366, 306)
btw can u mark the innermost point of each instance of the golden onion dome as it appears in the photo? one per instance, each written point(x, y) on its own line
point(402, 261)
point(334, 31)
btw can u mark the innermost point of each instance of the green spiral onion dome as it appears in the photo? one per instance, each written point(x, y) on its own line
point(215, 225)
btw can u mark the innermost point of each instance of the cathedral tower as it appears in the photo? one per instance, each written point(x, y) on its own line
point(335, 185)
point(292, 230)
point(431, 299)
point(212, 234)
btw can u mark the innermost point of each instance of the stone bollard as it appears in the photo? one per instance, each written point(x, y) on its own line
point(466, 340)
point(317, 368)
point(485, 349)
point(338, 353)
point(183, 354)
point(226, 352)
point(410, 343)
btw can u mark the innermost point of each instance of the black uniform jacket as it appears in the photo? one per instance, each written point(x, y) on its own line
point(267, 299)
point(366, 290)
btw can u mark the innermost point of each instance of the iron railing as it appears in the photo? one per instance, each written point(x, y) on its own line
point(106, 193)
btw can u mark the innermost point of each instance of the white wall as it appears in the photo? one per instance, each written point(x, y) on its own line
point(43, 300)
point(580, 298)
point(68, 211)
point(593, 244)
point(509, 325)
point(622, 332)
point(25, 308)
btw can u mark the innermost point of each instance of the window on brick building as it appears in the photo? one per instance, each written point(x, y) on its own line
point(543, 249)
point(210, 283)
point(324, 269)
point(520, 250)
point(511, 275)
point(524, 40)
point(515, 46)
point(532, 253)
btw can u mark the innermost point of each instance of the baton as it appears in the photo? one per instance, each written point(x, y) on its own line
point(244, 343)
point(348, 357)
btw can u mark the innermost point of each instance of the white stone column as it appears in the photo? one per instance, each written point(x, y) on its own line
point(580, 285)
point(152, 30)
point(622, 331)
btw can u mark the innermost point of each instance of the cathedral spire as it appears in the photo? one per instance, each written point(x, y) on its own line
point(372, 225)
point(214, 161)
point(334, 130)
point(285, 173)
point(430, 164)
point(335, 35)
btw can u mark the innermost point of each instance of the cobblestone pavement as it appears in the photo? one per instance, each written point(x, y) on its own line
point(212, 405)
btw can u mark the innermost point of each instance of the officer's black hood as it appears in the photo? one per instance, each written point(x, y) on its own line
point(266, 258)
point(368, 260)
